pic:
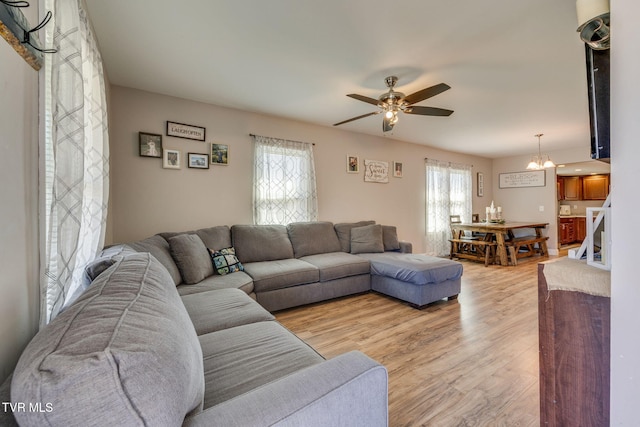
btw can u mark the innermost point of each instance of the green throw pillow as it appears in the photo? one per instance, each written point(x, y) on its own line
point(225, 261)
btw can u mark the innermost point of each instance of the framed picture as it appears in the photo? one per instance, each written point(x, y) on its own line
point(219, 154)
point(480, 184)
point(180, 130)
point(353, 164)
point(523, 179)
point(171, 159)
point(198, 161)
point(397, 169)
point(150, 144)
point(376, 171)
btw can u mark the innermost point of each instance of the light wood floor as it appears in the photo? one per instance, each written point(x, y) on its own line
point(470, 362)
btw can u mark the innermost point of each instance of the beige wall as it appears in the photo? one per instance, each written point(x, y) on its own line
point(146, 199)
point(19, 294)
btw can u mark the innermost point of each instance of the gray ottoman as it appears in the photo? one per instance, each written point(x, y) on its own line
point(414, 278)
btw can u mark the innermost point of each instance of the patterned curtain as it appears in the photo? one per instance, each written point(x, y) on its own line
point(449, 192)
point(76, 154)
point(284, 187)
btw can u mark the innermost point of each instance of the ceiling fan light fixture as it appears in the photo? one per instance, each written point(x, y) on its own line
point(389, 114)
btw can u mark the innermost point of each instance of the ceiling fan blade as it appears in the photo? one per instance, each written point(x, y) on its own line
point(427, 93)
point(364, 98)
point(428, 111)
point(356, 118)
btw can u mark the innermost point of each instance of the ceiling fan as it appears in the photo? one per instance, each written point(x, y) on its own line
point(391, 102)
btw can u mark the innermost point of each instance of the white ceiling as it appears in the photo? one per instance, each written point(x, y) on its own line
point(515, 67)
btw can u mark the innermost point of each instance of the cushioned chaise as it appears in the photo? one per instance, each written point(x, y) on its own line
point(415, 278)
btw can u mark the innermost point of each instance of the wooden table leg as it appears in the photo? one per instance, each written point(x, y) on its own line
point(543, 243)
point(501, 249)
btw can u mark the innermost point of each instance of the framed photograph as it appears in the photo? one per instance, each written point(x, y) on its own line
point(353, 164)
point(198, 161)
point(376, 171)
point(397, 169)
point(523, 179)
point(480, 184)
point(219, 154)
point(181, 130)
point(171, 159)
point(150, 144)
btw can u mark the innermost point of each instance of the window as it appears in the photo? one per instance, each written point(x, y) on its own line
point(449, 192)
point(284, 182)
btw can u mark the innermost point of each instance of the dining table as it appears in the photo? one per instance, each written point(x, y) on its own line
point(503, 233)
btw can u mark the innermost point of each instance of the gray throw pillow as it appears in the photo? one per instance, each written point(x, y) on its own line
point(192, 258)
point(343, 230)
point(367, 239)
point(390, 238)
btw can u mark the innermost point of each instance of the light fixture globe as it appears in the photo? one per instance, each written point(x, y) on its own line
point(536, 162)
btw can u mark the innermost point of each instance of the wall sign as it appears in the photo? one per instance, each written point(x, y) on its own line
point(376, 171)
point(181, 130)
point(523, 179)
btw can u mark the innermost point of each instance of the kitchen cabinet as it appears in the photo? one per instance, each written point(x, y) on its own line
point(560, 188)
point(580, 228)
point(567, 231)
point(595, 187)
point(572, 187)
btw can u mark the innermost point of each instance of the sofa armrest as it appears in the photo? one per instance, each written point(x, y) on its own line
point(406, 247)
point(348, 390)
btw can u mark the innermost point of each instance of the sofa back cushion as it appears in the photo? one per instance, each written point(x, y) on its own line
point(125, 351)
point(343, 230)
point(191, 257)
point(311, 238)
point(215, 238)
point(159, 248)
point(367, 239)
point(254, 243)
point(390, 238)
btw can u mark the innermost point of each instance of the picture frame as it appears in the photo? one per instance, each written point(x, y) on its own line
point(480, 184)
point(353, 164)
point(523, 179)
point(397, 169)
point(219, 154)
point(198, 160)
point(150, 144)
point(376, 171)
point(171, 159)
point(182, 130)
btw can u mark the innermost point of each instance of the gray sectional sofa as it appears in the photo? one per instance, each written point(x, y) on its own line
point(175, 330)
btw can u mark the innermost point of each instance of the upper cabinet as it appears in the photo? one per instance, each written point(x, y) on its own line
point(595, 187)
point(572, 188)
point(591, 187)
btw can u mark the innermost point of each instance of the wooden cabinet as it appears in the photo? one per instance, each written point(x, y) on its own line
point(574, 343)
point(572, 230)
point(572, 187)
point(595, 187)
point(560, 188)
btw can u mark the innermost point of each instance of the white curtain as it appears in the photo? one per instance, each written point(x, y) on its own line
point(76, 154)
point(449, 192)
point(284, 181)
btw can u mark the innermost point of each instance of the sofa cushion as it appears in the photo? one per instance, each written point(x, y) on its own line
point(367, 239)
point(159, 248)
point(390, 238)
point(225, 261)
point(243, 358)
point(213, 237)
point(336, 265)
point(343, 230)
point(125, 352)
point(239, 280)
point(255, 243)
point(310, 238)
point(223, 309)
point(281, 273)
point(191, 257)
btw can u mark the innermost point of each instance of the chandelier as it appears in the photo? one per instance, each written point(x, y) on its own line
point(538, 162)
